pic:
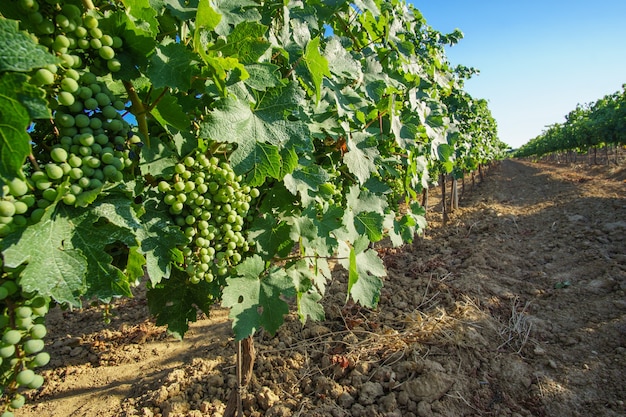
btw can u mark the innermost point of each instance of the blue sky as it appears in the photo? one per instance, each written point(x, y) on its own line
point(538, 58)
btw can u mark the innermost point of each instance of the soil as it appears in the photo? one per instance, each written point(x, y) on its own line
point(516, 307)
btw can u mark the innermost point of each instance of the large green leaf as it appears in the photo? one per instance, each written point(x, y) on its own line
point(14, 119)
point(255, 297)
point(172, 65)
point(175, 302)
point(361, 158)
point(317, 65)
point(54, 268)
point(259, 133)
point(18, 51)
point(158, 238)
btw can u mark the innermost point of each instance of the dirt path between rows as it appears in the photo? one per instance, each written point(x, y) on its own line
point(516, 308)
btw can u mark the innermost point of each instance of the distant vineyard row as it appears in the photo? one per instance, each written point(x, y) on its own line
point(600, 124)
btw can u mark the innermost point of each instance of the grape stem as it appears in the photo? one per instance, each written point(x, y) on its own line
point(138, 110)
point(88, 5)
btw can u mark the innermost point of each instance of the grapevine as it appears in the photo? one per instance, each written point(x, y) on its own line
point(225, 152)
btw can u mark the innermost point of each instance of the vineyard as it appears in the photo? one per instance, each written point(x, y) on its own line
point(533, 247)
point(163, 163)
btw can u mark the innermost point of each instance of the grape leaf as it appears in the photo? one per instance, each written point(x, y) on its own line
point(362, 155)
point(169, 112)
point(157, 160)
point(262, 76)
point(317, 65)
point(306, 178)
point(258, 161)
point(260, 134)
point(110, 221)
point(234, 12)
point(172, 65)
point(365, 270)
point(370, 224)
point(340, 62)
point(175, 302)
point(53, 267)
point(14, 119)
point(246, 42)
point(158, 240)
point(309, 306)
point(271, 238)
point(255, 297)
point(19, 52)
point(143, 14)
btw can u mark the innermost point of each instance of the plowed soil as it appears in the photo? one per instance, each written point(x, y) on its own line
point(516, 307)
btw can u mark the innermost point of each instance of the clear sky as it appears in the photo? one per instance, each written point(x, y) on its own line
point(537, 58)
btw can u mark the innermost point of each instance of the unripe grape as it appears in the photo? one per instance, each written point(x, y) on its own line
point(33, 346)
point(37, 382)
point(69, 84)
point(114, 65)
point(43, 77)
point(69, 199)
point(12, 337)
point(91, 103)
point(38, 331)
point(81, 120)
point(7, 208)
point(66, 98)
point(41, 359)
point(80, 32)
point(90, 22)
point(10, 286)
point(25, 377)
point(3, 294)
point(95, 43)
point(106, 52)
point(58, 155)
point(64, 120)
point(54, 171)
point(71, 11)
point(103, 100)
point(17, 187)
point(23, 312)
point(6, 351)
point(17, 401)
point(96, 33)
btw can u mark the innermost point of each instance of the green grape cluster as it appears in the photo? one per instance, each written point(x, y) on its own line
point(71, 34)
point(208, 202)
point(91, 144)
point(15, 203)
point(22, 329)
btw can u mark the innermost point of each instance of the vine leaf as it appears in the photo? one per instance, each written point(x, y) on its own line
point(365, 270)
point(317, 66)
point(158, 239)
point(175, 302)
point(259, 134)
point(271, 237)
point(53, 267)
point(361, 156)
point(172, 65)
point(14, 141)
point(255, 297)
point(18, 51)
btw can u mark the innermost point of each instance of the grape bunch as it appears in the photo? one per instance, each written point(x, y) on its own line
point(71, 34)
point(208, 202)
point(22, 329)
point(88, 144)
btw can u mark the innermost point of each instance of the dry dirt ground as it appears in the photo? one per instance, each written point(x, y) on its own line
point(516, 308)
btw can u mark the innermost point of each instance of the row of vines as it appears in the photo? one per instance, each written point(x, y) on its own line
point(215, 151)
point(587, 128)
